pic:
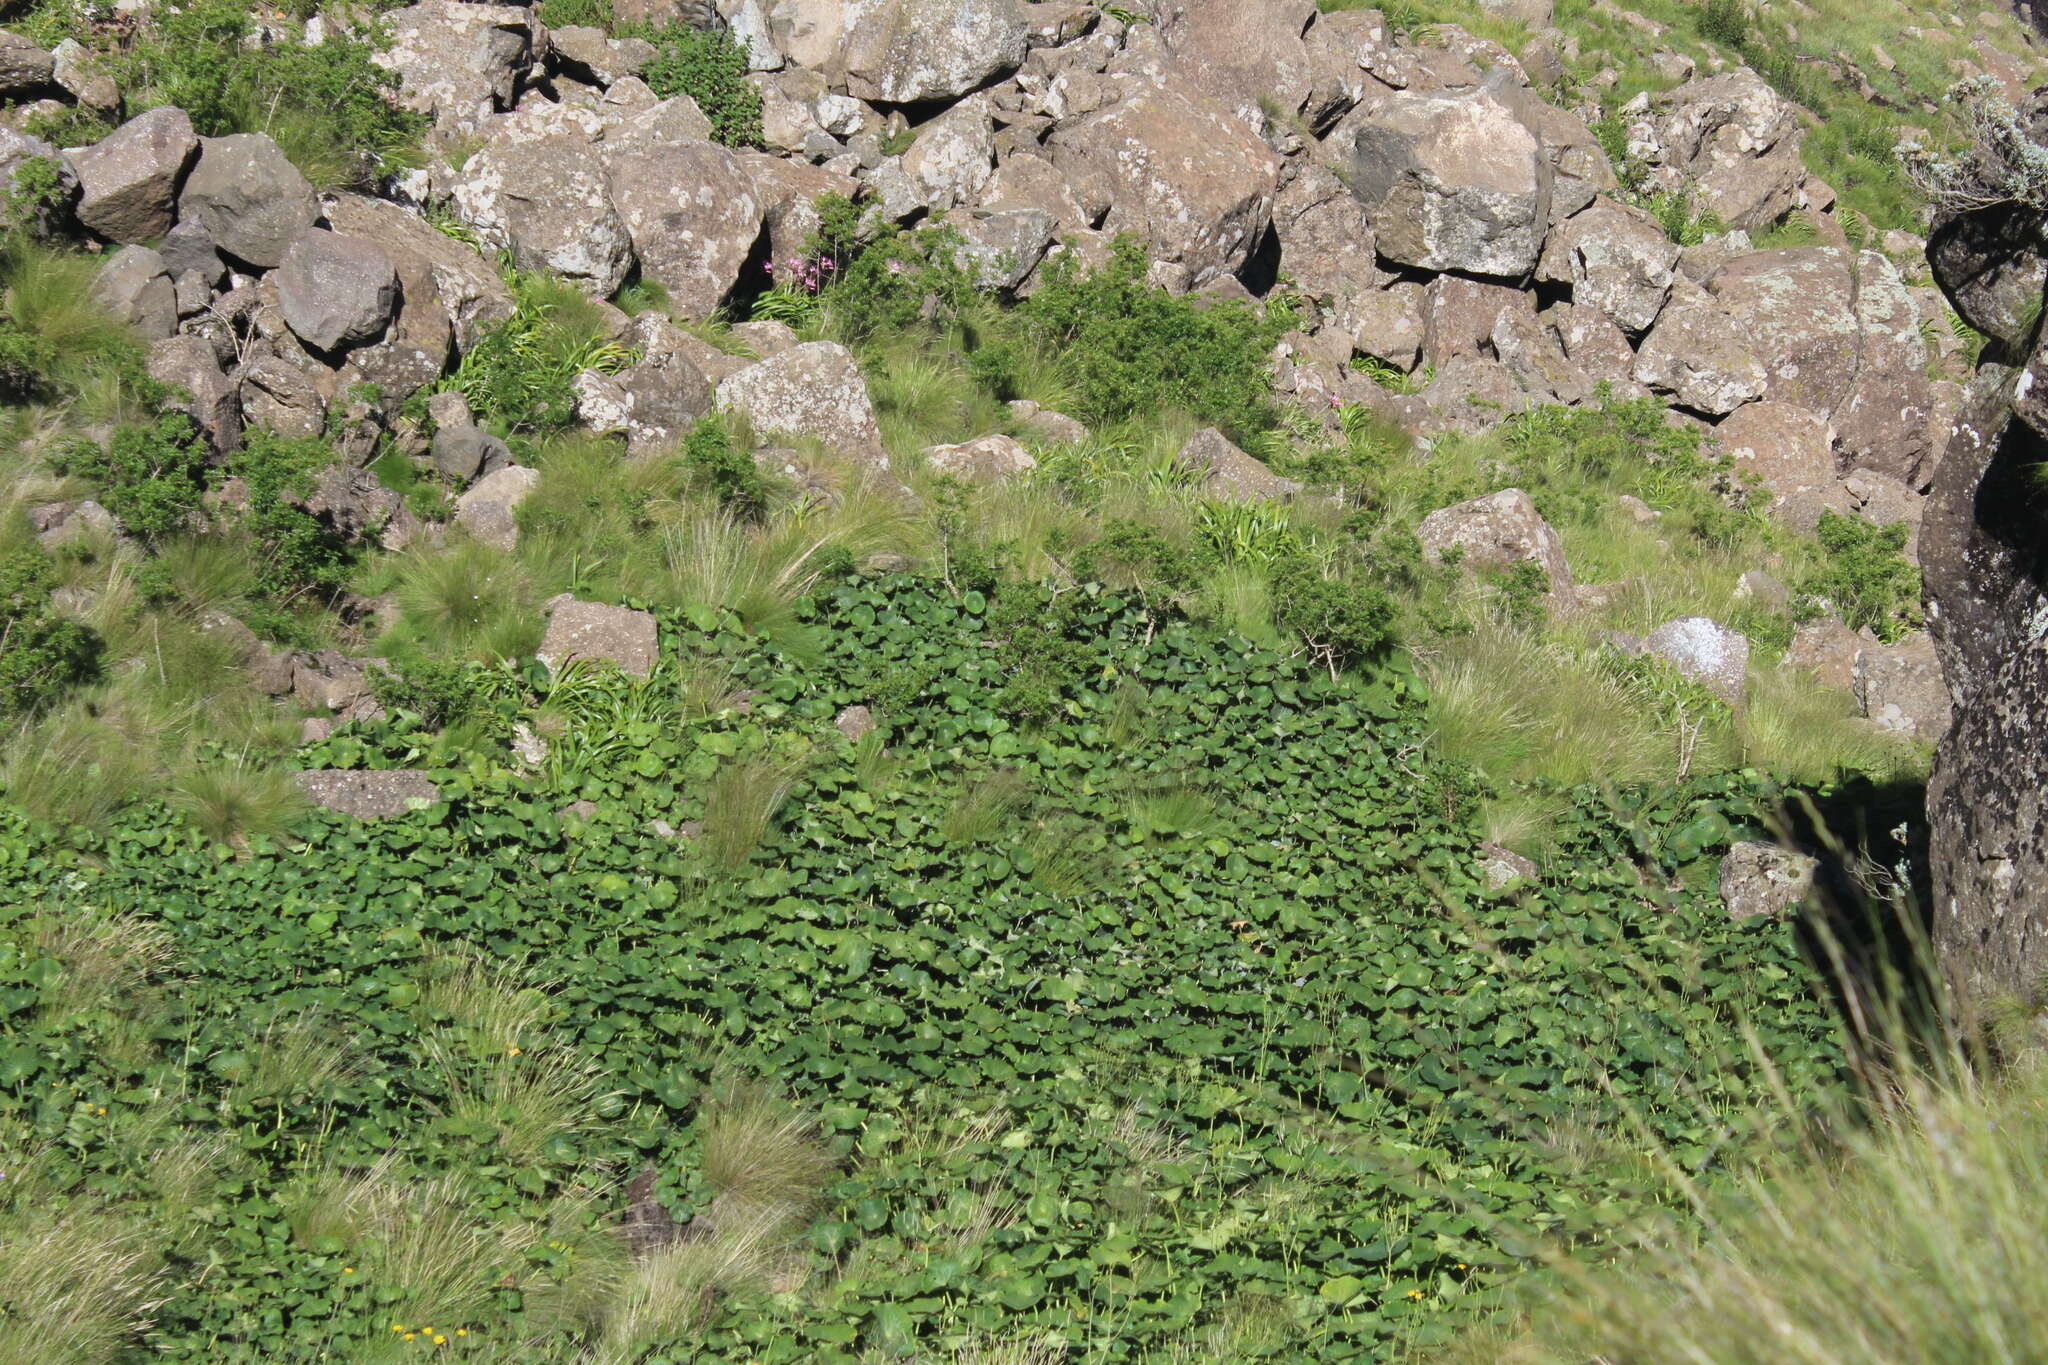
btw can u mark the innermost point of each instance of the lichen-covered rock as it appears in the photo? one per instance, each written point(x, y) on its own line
point(1327, 242)
point(1497, 531)
point(368, 794)
point(653, 402)
point(1759, 880)
point(815, 389)
point(336, 291)
point(1229, 473)
point(25, 69)
point(1001, 247)
point(1616, 259)
point(594, 630)
point(546, 199)
point(1795, 309)
point(986, 459)
point(187, 365)
point(134, 286)
point(1697, 354)
point(1899, 688)
point(462, 450)
point(1882, 423)
point(1453, 181)
point(358, 507)
point(1250, 54)
point(249, 197)
point(1500, 868)
point(457, 61)
point(1790, 449)
point(910, 51)
point(1706, 652)
point(486, 510)
point(470, 292)
point(1731, 140)
point(1182, 173)
point(689, 206)
point(128, 180)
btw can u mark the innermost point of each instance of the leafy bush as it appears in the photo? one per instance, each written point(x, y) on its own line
point(1866, 575)
point(577, 13)
point(520, 374)
point(1342, 623)
point(296, 552)
point(710, 66)
point(1723, 21)
point(150, 476)
point(41, 654)
point(728, 473)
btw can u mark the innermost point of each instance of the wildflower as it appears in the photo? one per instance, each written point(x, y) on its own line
point(348, 1270)
point(440, 1341)
point(462, 1331)
point(409, 1336)
point(103, 1109)
point(768, 266)
point(398, 1327)
point(895, 267)
point(513, 1051)
point(827, 263)
point(1415, 1293)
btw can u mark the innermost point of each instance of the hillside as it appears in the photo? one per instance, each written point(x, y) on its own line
point(948, 679)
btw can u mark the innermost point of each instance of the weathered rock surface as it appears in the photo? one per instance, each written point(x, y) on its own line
point(188, 365)
point(547, 200)
point(1732, 140)
point(366, 794)
point(986, 459)
point(1706, 652)
point(815, 389)
point(250, 199)
point(336, 291)
point(458, 61)
point(1497, 531)
point(487, 509)
point(905, 51)
point(1616, 259)
point(128, 180)
point(1764, 880)
point(1697, 355)
point(690, 209)
point(1228, 472)
point(1899, 688)
point(134, 286)
point(593, 630)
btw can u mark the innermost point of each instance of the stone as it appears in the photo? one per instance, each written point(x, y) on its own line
point(280, 396)
point(605, 60)
point(1227, 472)
point(1763, 880)
point(1616, 259)
point(1460, 314)
point(1530, 352)
point(358, 507)
point(368, 794)
point(465, 284)
point(1327, 244)
point(655, 401)
point(188, 366)
point(1883, 423)
point(815, 389)
point(595, 631)
point(912, 51)
point(17, 151)
point(1638, 511)
point(1390, 324)
point(1827, 649)
point(1047, 425)
point(1453, 181)
point(1764, 590)
point(766, 337)
point(1471, 393)
point(134, 286)
point(1001, 247)
point(487, 509)
point(953, 157)
point(25, 69)
point(1900, 689)
point(1189, 178)
point(1497, 531)
point(188, 249)
point(336, 291)
point(457, 61)
point(1730, 140)
point(547, 200)
point(462, 452)
point(986, 459)
point(328, 680)
point(128, 180)
point(450, 408)
point(856, 723)
point(689, 206)
point(250, 199)
point(1789, 449)
point(63, 523)
point(1595, 346)
point(1250, 56)
point(1696, 354)
point(1795, 309)
point(789, 192)
point(1706, 652)
point(1500, 868)
point(1991, 270)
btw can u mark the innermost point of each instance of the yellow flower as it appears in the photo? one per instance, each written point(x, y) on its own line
point(398, 1327)
point(1415, 1293)
point(103, 1109)
point(512, 1051)
point(462, 1331)
point(410, 1335)
point(348, 1270)
point(440, 1341)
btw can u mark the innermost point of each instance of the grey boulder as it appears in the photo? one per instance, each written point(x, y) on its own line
point(336, 291)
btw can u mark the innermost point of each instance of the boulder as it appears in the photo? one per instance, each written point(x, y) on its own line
point(1327, 245)
point(855, 722)
point(188, 249)
point(1500, 868)
point(1390, 324)
point(1190, 179)
point(1001, 247)
point(953, 157)
point(17, 152)
point(1730, 140)
point(1706, 652)
point(1900, 689)
point(336, 291)
point(1227, 472)
point(689, 207)
point(1882, 425)
point(278, 395)
point(912, 51)
point(250, 199)
point(134, 286)
point(1453, 181)
point(815, 390)
point(1595, 346)
point(188, 366)
point(655, 401)
point(368, 794)
point(1763, 880)
point(61, 523)
point(457, 61)
point(1991, 270)
point(357, 506)
point(414, 347)
point(461, 451)
point(25, 69)
point(328, 680)
point(1249, 54)
point(128, 180)
point(986, 459)
point(1788, 448)
point(599, 58)
point(1616, 259)
point(1530, 352)
point(1795, 309)
point(1471, 393)
point(1696, 354)
point(547, 200)
point(1827, 649)
point(1046, 424)
point(467, 287)
point(487, 510)
point(1497, 531)
point(595, 631)
point(789, 192)
point(1460, 315)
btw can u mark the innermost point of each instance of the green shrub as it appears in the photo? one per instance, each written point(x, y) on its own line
point(150, 476)
point(1342, 623)
point(724, 471)
point(1866, 575)
point(439, 693)
point(520, 374)
point(1723, 21)
point(296, 552)
point(577, 13)
point(710, 66)
point(41, 654)
point(55, 338)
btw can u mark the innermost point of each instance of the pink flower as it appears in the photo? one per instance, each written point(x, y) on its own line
point(768, 266)
point(895, 267)
point(827, 263)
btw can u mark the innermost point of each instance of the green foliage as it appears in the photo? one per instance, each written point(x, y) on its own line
point(1865, 574)
point(70, 127)
point(577, 13)
point(1723, 21)
point(327, 105)
point(1342, 623)
point(296, 552)
point(435, 692)
point(149, 475)
point(710, 66)
point(726, 472)
point(1137, 350)
point(521, 372)
point(41, 653)
point(55, 339)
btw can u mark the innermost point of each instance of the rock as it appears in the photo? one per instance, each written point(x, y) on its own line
point(1461, 313)
point(856, 723)
point(1706, 652)
point(1827, 648)
point(188, 249)
point(457, 61)
point(1900, 689)
point(766, 338)
point(593, 630)
point(187, 364)
point(1453, 181)
point(366, 794)
point(1699, 356)
point(279, 396)
point(603, 59)
point(953, 157)
point(789, 192)
point(689, 206)
point(1228, 472)
point(1764, 590)
point(1732, 141)
point(1638, 511)
point(128, 180)
point(25, 69)
point(1530, 352)
point(1882, 425)
point(17, 151)
point(336, 291)
point(1249, 56)
point(1616, 259)
point(250, 199)
point(986, 459)
point(814, 389)
point(1497, 531)
point(466, 285)
point(1791, 450)
point(1471, 393)
point(548, 201)
point(1390, 323)
point(486, 511)
point(1181, 173)
point(1764, 880)
point(1500, 868)
point(461, 452)
point(1795, 309)
point(654, 402)
point(1327, 243)
point(1001, 247)
point(910, 51)
point(134, 286)
point(1047, 425)
point(1989, 267)
point(328, 680)
point(62, 523)
point(357, 506)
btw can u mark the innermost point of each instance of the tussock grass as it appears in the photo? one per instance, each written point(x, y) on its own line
point(762, 1156)
point(238, 798)
point(79, 1284)
point(470, 601)
point(107, 957)
point(741, 804)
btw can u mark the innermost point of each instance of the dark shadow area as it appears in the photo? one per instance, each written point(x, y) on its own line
point(1261, 270)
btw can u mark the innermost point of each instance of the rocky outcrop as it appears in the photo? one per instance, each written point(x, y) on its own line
point(250, 199)
point(1497, 531)
point(814, 390)
point(595, 631)
point(128, 180)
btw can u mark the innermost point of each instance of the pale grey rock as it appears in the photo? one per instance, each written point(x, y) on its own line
point(1763, 880)
point(1706, 652)
point(337, 291)
point(367, 794)
point(1230, 473)
point(815, 389)
point(596, 631)
point(1497, 531)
